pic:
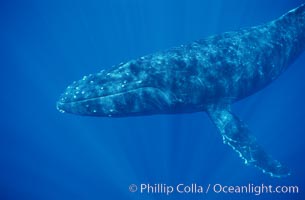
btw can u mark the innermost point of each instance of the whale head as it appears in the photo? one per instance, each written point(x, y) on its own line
point(117, 93)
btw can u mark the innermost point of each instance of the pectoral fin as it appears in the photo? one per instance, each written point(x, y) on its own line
point(236, 134)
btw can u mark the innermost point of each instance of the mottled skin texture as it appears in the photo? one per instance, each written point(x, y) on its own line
point(206, 75)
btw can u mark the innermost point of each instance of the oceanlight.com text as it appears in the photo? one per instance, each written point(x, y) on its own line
point(194, 188)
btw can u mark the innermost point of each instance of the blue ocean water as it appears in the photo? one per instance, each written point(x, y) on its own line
point(44, 154)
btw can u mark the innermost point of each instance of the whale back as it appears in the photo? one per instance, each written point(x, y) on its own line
point(249, 59)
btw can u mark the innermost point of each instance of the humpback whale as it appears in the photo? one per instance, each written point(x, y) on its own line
point(207, 75)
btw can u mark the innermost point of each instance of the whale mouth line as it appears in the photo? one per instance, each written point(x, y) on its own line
point(105, 96)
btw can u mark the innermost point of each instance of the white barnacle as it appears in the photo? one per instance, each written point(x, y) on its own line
point(62, 111)
point(140, 81)
point(84, 78)
point(102, 88)
point(77, 92)
point(125, 82)
point(77, 88)
point(91, 82)
point(111, 110)
point(74, 96)
point(83, 92)
point(94, 111)
point(122, 85)
point(66, 93)
point(108, 74)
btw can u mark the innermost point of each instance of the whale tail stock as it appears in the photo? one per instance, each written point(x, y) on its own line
point(236, 134)
point(290, 32)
